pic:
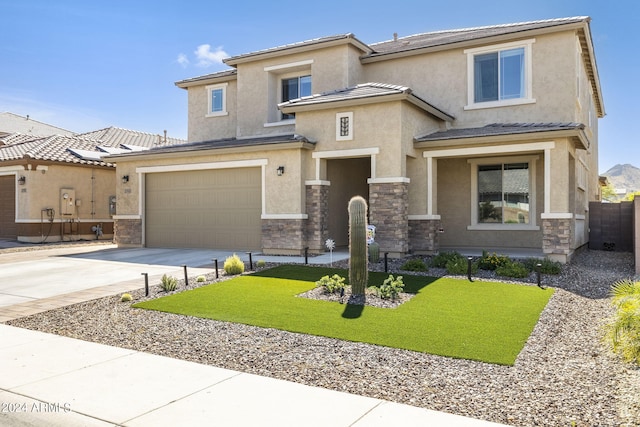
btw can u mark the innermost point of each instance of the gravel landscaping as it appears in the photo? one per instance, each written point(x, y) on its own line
point(564, 376)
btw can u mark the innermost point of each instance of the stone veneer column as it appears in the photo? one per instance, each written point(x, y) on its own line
point(127, 232)
point(317, 207)
point(388, 211)
point(424, 236)
point(283, 236)
point(556, 238)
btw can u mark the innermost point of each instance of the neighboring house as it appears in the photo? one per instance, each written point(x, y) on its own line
point(58, 187)
point(475, 138)
point(12, 123)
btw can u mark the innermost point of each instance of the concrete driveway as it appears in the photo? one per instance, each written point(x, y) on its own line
point(29, 276)
point(32, 275)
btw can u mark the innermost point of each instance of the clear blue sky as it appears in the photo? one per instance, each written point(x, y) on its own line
point(85, 65)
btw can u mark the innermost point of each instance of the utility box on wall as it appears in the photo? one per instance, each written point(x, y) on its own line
point(112, 205)
point(67, 202)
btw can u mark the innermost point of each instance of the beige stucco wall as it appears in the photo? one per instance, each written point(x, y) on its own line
point(441, 79)
point(203, 128)
point(42, 190)
point(387, 126)
point(454, 206)
point(256, 92)
point(284, 194)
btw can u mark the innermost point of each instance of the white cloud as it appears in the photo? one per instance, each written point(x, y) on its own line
point(183, 60)
point(206, 57)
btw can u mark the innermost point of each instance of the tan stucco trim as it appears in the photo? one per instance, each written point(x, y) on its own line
point(471, 43)
point(557, 215)
point(295, 49)
point(374, 99)
point(213, 151)
point(207, 81)
point(577, 136)
point(202, 166)
point(10, 170)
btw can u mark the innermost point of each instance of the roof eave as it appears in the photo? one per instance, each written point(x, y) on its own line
point(197, 81)
point(373, 57)
point(292, 49)
point(365, 100)
point(593, 68)
point(149, 155)
point(577, 135)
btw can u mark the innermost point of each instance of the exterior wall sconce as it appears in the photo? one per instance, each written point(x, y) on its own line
point(125, 179)
point(280, 170)
point(22, 180)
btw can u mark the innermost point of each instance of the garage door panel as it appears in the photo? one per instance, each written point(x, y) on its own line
point(8, 227)
point(208, 209)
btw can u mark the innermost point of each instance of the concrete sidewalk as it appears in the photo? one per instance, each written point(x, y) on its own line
point(57, 381)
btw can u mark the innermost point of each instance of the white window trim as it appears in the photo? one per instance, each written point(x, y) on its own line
point(528, 73)
point(349, 135)
point(276, 73)
point(210, 89)
point(532, 193)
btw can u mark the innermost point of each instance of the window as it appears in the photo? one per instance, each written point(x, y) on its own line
point(344, 126)
point(503, 193)
point(499, 75)
point(217, 100)
point(295, 87)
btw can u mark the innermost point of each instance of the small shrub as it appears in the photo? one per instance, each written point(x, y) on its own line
point(460, 266)
point(492, 261)
point(261, 263)
point(126, 297)
point(233, 265)
point(168, 283)
point(200, 279)
point(623, 328)
point(441, 260)
point(331, 284)
point(415, 264)
point(513, 269)
point(546, 265)
point(390, 288)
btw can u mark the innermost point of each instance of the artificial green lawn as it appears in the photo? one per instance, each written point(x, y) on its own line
point(485, 321)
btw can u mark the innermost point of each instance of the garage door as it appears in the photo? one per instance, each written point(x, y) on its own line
point(8, 228)
point(217, 209)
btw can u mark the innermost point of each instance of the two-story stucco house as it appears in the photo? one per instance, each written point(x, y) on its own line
point(481, 137)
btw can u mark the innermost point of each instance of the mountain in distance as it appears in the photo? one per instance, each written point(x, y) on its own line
point(624, 177)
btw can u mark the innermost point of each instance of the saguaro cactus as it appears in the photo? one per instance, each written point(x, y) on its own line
point(358, 264)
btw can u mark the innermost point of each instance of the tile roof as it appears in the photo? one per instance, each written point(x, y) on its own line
point(114, 137)
point(497, 129)
point(363, 91)
point(14, 138)
point(56, 148)
point(441, 38)
point(223, 143)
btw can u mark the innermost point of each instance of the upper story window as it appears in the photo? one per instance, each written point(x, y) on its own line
point(295, 87)
point(217, 100)
point(499, 75)
point(286, 82)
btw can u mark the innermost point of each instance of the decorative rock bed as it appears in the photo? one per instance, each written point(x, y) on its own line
point(564, 375)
